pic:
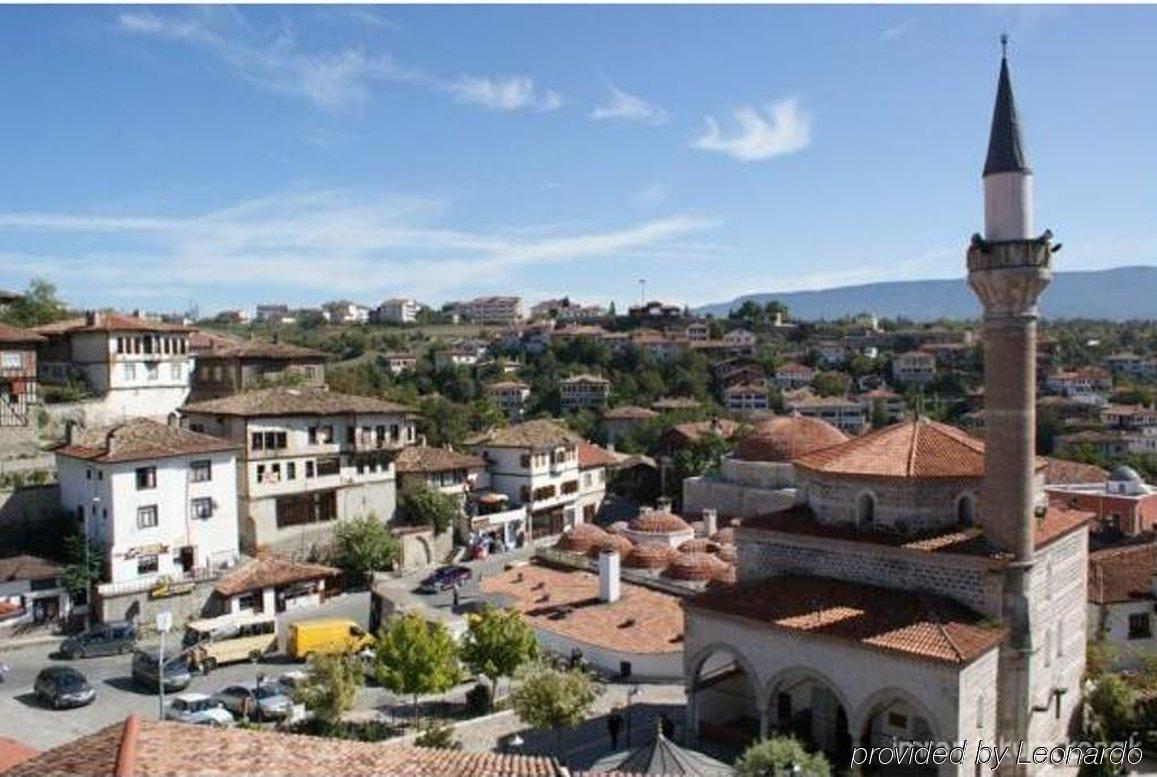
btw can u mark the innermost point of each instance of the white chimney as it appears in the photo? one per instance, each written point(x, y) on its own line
point(710, 521)
point(663, 504)
point(609, 576)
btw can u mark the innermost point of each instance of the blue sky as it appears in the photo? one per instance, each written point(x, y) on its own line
point(229, 156)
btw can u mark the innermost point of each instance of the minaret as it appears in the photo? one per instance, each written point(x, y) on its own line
point(1008, 269)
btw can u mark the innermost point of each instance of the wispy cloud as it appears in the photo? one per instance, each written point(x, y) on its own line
point(335, 80)
point(509, 93)
point(311, 243)
point(623, 106)
point(371, 18)
point(650, 196)
point(762, 133)
point(901, 29)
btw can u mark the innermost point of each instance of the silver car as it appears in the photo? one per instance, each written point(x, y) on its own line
point(267, 701)
point(199, 709)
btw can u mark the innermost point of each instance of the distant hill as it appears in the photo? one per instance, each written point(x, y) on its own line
point(1119, 294)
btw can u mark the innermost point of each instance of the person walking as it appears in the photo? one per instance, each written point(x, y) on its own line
point(614, 726)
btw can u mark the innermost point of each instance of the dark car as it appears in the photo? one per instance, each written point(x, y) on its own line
point(445, 578)
point(104, 639)
point(145, 673)
point(61, 687)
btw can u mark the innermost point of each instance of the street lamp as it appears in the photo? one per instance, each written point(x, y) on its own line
point(632, 692)
point(88, 562)
point(164, 626)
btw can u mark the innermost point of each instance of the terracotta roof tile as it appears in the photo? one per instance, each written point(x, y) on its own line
point(784, 438)
point(421, 458)
point(25, 567)
point(13, 753)
point(918, 625)
point(581, 538)
point(267, 571)
point(911, 449)
point(1122, 574)
point(659, 522)
point(14, 334)
point(141, 439)
point(591, 456)
point(281, 401)
point(695, 567)
point(629, 412)
point(1063, 471)
point(615, 542)
point(109, 322)
point(540, 433)
point(651, 557)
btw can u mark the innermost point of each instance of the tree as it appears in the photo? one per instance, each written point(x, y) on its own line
point(333, 684)
point(426, 506)
point(553, 698)
point(363, 545)
point(1113, 705)
point(77, 577)
point(497, 644)
point(413, 657)
point(780, 755)
point(39, 305)
point(831, 384)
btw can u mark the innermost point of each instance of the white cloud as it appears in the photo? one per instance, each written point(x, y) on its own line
point(313, 243)
point(650, 196)
point(763, 133)
point(507, 93)
point(901, 29)
point(623, 106)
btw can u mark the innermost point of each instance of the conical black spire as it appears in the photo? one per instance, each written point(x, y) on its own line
point(1005, 151)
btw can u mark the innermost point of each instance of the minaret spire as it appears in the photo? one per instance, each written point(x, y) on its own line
point(1007, 175)
point(1005, 149)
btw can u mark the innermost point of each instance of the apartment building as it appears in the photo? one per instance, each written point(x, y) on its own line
point(847, 415)
point(791, 376)
point(488, 310)
point(397, 363)
point(747, 397)
point(1129, 363)
point(18, 384)
point(345, 312)
point(310, 458)
point(275, 314)
point(133, 366)
point(914, 368)
point(399, 310)
point(535, 464)
point(227, 366)
point(511, 396)
point(584, 392)
point(1087, 384)
point(161, 501)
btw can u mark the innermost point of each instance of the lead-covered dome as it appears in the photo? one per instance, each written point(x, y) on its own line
point(784, 438)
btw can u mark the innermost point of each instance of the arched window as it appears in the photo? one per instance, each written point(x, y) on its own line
point(866, 509)
point(965, 510)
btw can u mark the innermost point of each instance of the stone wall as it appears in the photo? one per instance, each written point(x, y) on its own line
point(733, 499)
point(26, 511)
point(970, 580)
point(911, 505)
point(139, 606)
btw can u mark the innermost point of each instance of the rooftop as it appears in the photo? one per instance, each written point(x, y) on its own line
point(212, 344)
point(141, 439)
point(629, 412)
point(591, 455)
point(420, 458)
point(269, 571)
point(14, 334)
point(1120, 575)
point(919, 448)
point(641, 621)
point(916, 625)
point(540, 433)
point(26, 567)
point(145, 748)
point(108, 322)
point(784, 438)
point(281, 401)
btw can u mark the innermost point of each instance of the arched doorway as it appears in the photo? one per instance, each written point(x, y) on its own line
point(723, 698)
point(965, 510)
point(808, 707)
point(892, 721)
point(866, 509)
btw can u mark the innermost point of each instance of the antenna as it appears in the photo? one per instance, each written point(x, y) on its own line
point(1003, 45)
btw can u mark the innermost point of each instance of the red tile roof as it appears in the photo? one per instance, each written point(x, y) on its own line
point(147, 748)
point(1062, 471)
point(784, 438)
point(420, 458)
point(281, 401)
point(14, 334)
point(651, 557)
point(109, 322)
point(695, 567)
point(141, 439)
point(917, 625)
point(911, 449)
point(270, 571)
point(539, 433)
point(581, 538)
point(591, 456)
point(13, 753)
point(1122, 574)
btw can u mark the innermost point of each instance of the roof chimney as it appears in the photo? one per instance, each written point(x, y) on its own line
point(710, 521)
point(609, 582)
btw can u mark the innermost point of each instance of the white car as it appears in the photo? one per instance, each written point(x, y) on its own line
point(198, 708)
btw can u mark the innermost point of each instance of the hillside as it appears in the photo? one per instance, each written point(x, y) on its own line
point(1119, 294)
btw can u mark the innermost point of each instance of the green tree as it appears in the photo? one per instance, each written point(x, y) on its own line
point(831, 384)
point(363, 545)
point(781, 755)
point(497, 644)
point(1113, 704)
point(77, 577)
point(38, 305)
point(331, 688)
point(547, 697)
point(413, 657)
point(425, 506)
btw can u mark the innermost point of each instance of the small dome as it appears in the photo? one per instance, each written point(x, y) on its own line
point(725, 574)
point(694, 567)
point(1124, 474)
point(581, 538)
point(698, 545)
point(659, 522)
point(651, 557)
point(724, 536)
point(784, 438)
point(611, 542)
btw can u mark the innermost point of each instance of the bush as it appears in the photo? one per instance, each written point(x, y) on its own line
point(478, 700)
point(779, 755)
point(363, 545)
point(439, 735)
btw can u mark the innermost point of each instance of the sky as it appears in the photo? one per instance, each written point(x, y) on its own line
point(154, 157)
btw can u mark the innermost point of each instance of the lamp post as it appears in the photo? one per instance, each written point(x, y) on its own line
point(88, 561)
point(632, 692)
point(164, 626)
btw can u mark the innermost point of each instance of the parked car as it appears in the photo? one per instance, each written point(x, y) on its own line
point(445, 578)
point(326, 636)
point(267, 701)
point(229, 638)
point(145, 671)
point(199, 709)
point(103, 639)
point(61, 687)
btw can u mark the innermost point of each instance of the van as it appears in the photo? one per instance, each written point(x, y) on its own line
point(147, 673)
point(212, 642)
point(326, 635)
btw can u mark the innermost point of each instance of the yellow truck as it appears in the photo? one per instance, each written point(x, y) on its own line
point(326, 636)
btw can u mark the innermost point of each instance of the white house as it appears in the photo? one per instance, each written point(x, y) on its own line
point(310, 457)
point(397, 363)
point(793, 376)
point(584, 392)
point(160, 500)
point(740, 338)
point(747, 397)
point(914, 368)
point(535, 464)
point(345, 312)
point(134, 366)
point(400, 310)
point(511, 396)
point(1122, 600)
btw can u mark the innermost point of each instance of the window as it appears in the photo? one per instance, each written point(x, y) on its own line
point(147, 517)
point(275, 441)
point(203, 507)
point(291, 470)
point(313, 435)
point(260, 473)
point(256, 441)
point(309, 469)
point(351, 434)
point(525, 461)
point(1139, 626)
point(328, 466)
point(964, 510)
point(866, 510)
point(152, 368)
point(120, 345)
point(147, 565)
point(146, 478)
point(201, 471)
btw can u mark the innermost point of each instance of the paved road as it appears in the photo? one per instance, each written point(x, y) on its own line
point(25, 720)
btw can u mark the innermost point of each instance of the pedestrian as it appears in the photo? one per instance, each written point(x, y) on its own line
point(614, 725)
point(456, 595)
